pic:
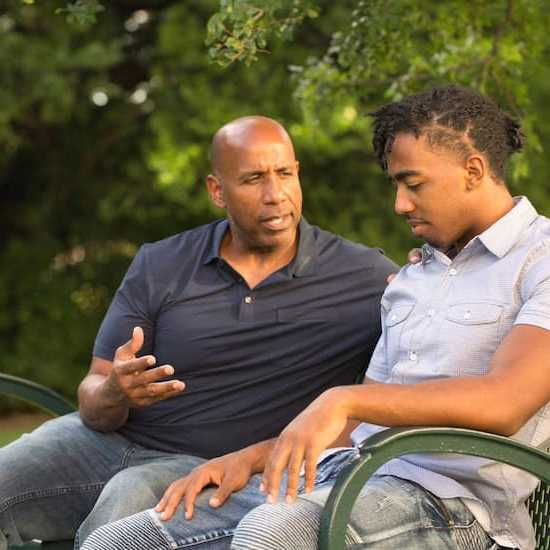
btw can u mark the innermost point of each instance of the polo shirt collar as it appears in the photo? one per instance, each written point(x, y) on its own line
point(305, 261)
point(303, 264)
point(213, 250)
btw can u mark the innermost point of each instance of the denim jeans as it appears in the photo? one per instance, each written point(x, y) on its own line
point(210, 529)
point(64, 480)
point(389, 513)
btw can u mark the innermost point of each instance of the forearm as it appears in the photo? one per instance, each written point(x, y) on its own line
point(101, 407)
point(473, 402)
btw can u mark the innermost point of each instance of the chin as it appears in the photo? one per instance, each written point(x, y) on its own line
point(436, 242)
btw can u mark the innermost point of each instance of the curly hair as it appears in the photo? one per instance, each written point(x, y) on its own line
point(452, 117)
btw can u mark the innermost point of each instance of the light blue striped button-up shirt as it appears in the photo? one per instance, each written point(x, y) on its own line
point(444, 318)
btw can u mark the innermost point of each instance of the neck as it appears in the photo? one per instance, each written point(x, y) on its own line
point(490, 208)
point(255, 264)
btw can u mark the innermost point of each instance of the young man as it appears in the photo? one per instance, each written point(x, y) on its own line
point(238, 325)
point(465, 342)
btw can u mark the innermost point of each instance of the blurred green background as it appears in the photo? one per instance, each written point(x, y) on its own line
point(107, 111)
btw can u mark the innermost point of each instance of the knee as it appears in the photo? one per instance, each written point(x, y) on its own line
point(279, 527)
point(137, 531)
point(131, 493)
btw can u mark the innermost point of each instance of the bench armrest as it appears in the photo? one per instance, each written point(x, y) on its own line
point(394, 442)
point(36, 394)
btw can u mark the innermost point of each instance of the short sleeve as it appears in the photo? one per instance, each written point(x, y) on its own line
point(131, 307)
point(535, 293)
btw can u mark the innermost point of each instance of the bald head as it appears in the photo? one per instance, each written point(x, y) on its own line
point(242, 134)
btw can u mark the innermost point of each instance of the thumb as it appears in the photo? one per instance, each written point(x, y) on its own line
point(137, 340)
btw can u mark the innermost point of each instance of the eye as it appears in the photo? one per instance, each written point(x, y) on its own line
point(414, 186)
point(253, 178)
point(285, 173)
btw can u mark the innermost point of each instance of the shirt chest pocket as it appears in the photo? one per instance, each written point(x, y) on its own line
point(394, 324)
point(471, 335)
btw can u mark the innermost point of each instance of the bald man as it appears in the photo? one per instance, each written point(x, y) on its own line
point(215, 340)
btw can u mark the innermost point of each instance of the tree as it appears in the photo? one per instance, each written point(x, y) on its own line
point(105, 128)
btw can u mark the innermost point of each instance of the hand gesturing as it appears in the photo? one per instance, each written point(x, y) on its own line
point(134, 382)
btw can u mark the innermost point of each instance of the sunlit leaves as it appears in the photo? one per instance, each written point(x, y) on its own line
point(239, 31)
point(82, 12)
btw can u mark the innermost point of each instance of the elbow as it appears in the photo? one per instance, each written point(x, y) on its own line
point(507, 424)
point(102, 423)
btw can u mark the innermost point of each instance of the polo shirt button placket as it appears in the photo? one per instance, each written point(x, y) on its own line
point(246, 310)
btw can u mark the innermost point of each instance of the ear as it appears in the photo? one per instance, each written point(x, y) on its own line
point(476, 171)
point(215, 191)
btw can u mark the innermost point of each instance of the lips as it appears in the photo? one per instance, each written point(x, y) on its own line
point(415, 221)
point(276, 223)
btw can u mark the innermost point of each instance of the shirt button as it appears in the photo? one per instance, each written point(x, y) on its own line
point(467, 315)
point(248, 300)
point(453, 271)
point(394, 317)
point(412, 356)
point(431, 312)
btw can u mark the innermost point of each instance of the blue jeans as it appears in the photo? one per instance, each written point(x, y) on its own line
point(389, 513)
point(210, 529)
point(64, 480)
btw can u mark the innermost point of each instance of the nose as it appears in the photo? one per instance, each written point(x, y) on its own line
point(274, 189)
point(403, 202)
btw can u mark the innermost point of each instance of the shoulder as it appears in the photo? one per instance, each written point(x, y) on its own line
point(332, 248)
point(178, 247)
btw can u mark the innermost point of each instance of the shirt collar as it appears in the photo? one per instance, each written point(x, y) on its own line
point(505, 232)
point(213, 251)
point(303, 264)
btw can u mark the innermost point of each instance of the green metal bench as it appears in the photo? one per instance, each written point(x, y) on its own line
point(51, 402)
point(377, 450)
point(395, 442)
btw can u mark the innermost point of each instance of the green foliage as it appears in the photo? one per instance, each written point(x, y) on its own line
point(105, 130)
point(82, 12)
point(240, 29)
point(388, 49)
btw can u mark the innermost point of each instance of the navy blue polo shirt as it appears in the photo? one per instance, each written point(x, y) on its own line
point(251, 359)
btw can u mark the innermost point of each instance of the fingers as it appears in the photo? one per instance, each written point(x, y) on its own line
point(293, 469)
point(390, 277)
point(191, 495)
point(221, 495)
point(137, 340)
point(131, 366)
point(414, 256)
point(310, 468)
point(131, 347)
point(228, 484)
point(154, 375)
point(273, 471)
point(151, 393)
point(170, 500)
point(158, 389)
